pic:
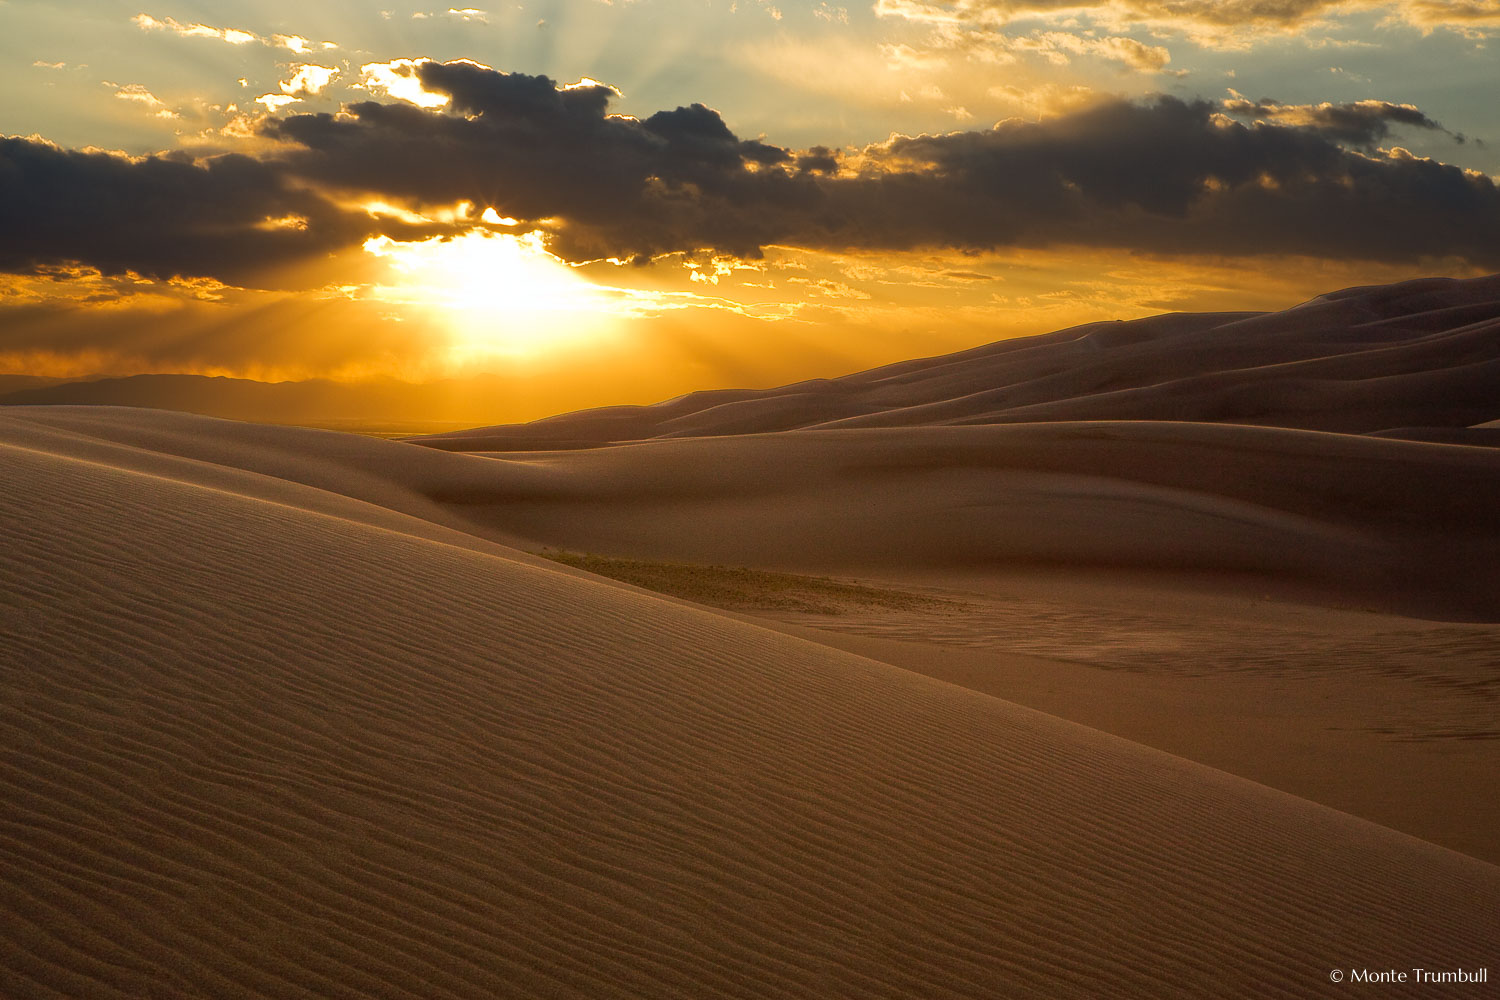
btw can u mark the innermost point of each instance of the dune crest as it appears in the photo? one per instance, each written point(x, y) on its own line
point(1420, 354)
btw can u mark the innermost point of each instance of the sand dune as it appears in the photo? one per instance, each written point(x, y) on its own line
point(1391, 522)
point(1369, 521)
point(1419, 354)
point(382, 404)
point(266, 740)
point(19, 383)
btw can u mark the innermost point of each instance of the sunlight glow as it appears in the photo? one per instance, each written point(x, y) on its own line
point(399, 79)
point(500, 295)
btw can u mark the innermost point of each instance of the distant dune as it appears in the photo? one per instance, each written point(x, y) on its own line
point(1366, 520)
point(1418, 355)
point(382, 404)
point(263, 739)
point(20, 383)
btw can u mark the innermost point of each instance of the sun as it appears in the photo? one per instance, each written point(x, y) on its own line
point(499, 295)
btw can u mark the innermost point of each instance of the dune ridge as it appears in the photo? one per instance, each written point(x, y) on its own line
point(266, 740)
point(1421, 354)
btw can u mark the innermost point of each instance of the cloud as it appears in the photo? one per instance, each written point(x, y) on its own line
point(138, 94)
point(1357, 123)
point(1165, 175)
point(1476, 18)
point(1058, 46)
point(1162, 176)
point(275, 102)
point(293, 43)
point(952, 45)
point(534, 150)
point(1179, 177)
point(398, 78)
point(469, 14)
point(819, 160)
point(766, 5)
point(230, 217)
point(234, 36)
point(1204, 21)
point(1135, 54)
point(308, 79)
point(1197, 18)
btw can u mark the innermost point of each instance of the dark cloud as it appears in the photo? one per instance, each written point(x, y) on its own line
point(1356, 123)
point(1176, 176)
point(230, 217)
point(818, 160)
point(476, 90)
point(1165, 176)
point(533, 151)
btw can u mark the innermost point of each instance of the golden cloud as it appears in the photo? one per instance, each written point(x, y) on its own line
point(1211, 23)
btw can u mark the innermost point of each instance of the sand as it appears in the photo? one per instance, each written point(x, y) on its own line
point(1381, 716)
point(296, 713)
point(264, 741)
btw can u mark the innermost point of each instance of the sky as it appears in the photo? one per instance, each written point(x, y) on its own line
point(621, 201)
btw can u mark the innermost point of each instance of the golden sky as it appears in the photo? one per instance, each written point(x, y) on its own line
point(611, 202)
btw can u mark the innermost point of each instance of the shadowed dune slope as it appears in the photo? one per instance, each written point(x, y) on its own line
point(262, 740)
point(1395, 524)
point(1420, 354)
point(1391, 523)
